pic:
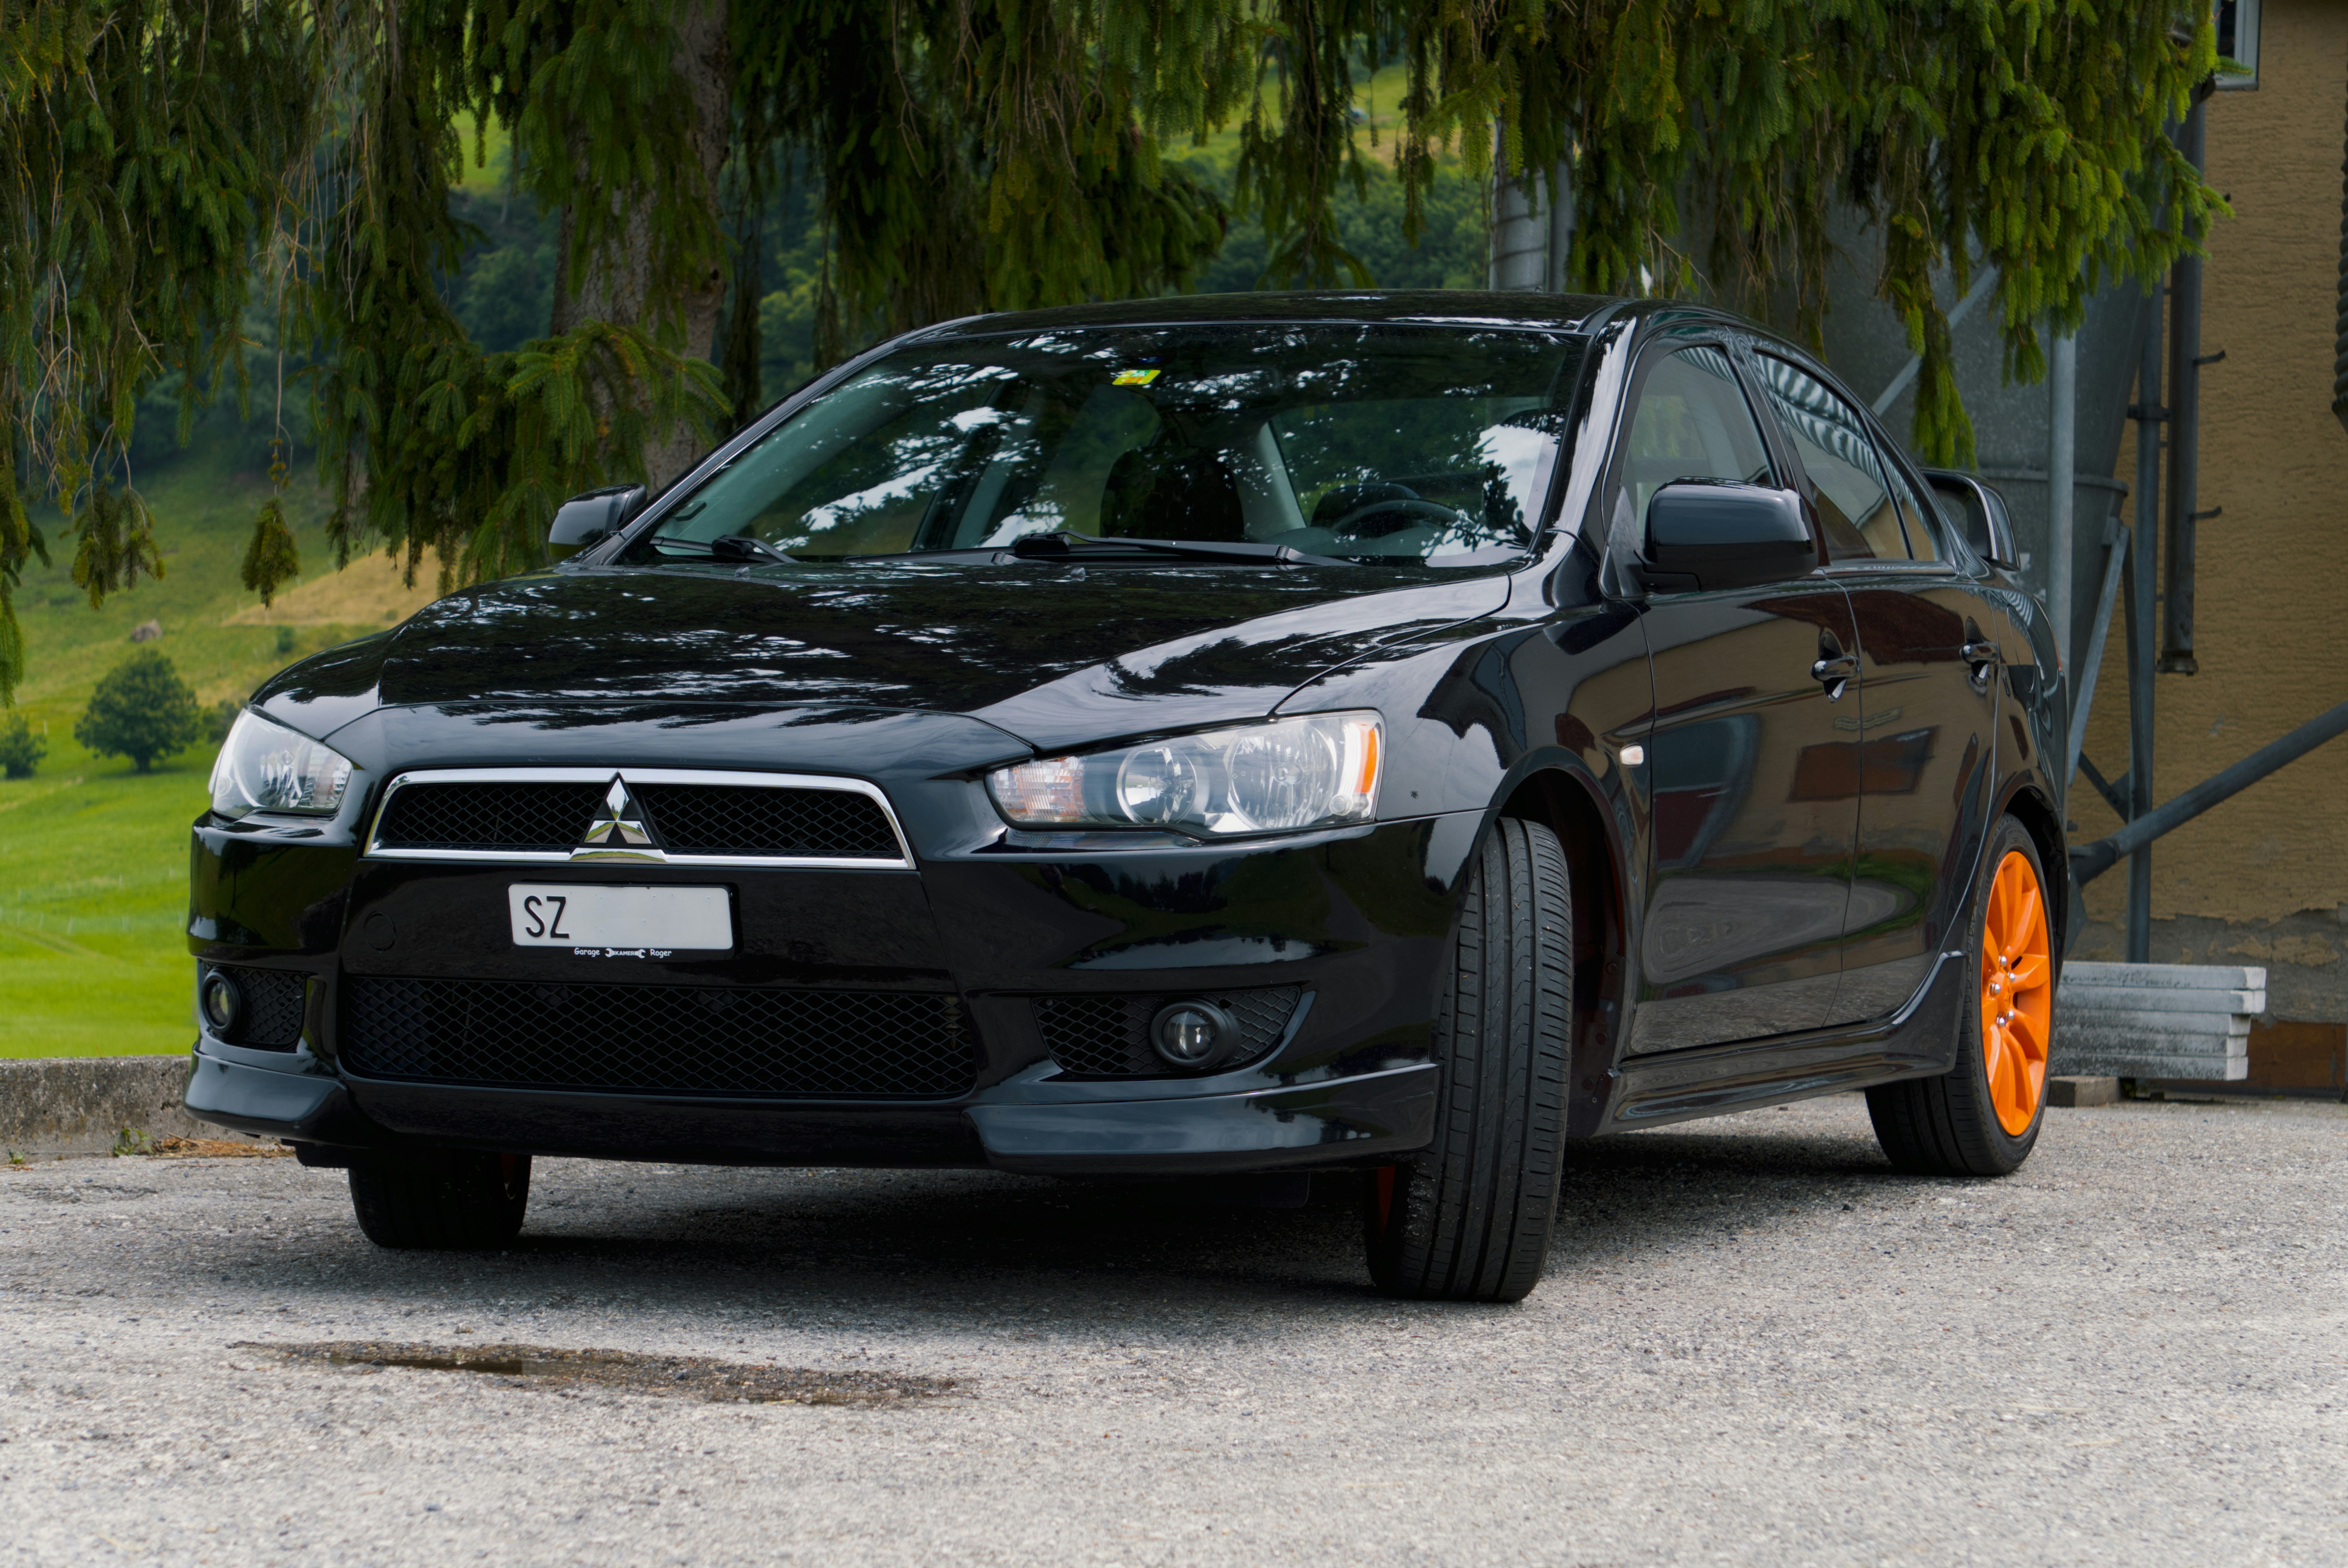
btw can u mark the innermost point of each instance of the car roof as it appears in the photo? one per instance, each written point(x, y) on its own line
point(1451, 307)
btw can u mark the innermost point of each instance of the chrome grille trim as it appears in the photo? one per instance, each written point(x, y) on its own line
point(638, 856)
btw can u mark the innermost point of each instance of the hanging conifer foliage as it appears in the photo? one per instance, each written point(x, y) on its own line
point(160, 160)
point(144, 150)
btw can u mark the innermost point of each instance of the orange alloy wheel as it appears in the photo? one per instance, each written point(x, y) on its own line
point(2017, 996)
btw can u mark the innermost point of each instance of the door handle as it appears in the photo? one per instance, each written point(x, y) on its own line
point(1834, 670)
point(1980, 658)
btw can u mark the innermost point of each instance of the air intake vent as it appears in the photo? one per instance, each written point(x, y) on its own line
point(660, 1039)
point(1108, 1036)
point(547, 819)
point(793, 823)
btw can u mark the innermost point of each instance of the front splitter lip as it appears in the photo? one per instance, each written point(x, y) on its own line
point(272, 1101)
point(1339, 1121)
point(1359, 1120)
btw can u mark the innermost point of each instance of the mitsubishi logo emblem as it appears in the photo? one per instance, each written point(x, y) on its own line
point(618, 824)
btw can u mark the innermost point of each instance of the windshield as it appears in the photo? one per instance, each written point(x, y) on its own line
point(1392, 441)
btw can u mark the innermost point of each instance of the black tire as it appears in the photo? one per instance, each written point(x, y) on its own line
point(1468, 1218)
point(459, 1203)
point(1948, 1126)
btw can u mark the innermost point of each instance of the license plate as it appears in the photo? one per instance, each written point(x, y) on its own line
point(617, 922)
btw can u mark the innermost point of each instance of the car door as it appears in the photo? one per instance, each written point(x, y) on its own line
point(1748, 864)
point(1920, 745)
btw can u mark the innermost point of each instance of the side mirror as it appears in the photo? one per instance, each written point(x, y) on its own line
point(1712, 534)
point(1979, 510)
point(584, 519)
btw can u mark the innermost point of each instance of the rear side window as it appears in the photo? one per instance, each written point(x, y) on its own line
point(1864, 509)
point(1915, 518)
point(1690, 422)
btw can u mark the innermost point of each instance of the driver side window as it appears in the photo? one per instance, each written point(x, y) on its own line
point(1690, 422)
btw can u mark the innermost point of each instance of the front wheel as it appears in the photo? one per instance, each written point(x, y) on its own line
point(1468, 1218)
point(461, 1202)
point(1981, 1117)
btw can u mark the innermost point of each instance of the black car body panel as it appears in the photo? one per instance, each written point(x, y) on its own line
point(1769, 878)
point(871, 637)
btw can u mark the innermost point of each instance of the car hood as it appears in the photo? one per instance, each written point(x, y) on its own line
point(1055, 654)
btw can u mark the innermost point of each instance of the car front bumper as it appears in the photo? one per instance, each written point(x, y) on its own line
point(1358, 920)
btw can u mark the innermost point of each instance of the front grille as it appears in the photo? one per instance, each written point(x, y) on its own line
point(664, 1039)
point(270, 1016)
point(1108, 1036)
point(548, 818)
point(724, 819)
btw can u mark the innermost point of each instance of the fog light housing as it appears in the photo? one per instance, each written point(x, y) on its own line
point(1193, 1034)
point(220, 1003)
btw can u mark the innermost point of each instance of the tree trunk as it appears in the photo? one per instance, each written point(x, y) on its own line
point(616, 285)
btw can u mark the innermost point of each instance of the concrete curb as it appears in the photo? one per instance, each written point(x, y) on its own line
point(80, 1104)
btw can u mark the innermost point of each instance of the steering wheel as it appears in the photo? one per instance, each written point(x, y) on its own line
point(1406, 511)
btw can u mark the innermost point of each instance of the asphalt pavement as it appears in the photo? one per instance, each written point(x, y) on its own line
point(1755, 1345)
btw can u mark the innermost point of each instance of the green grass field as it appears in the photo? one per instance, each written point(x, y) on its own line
point(93, 906)
point(94, 858)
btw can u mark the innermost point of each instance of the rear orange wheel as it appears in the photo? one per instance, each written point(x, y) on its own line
point(1981, 1118)
point(2017, 993)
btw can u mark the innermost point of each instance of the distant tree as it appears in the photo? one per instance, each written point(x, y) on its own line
point(506, 300)
point(141, 710)
point(21, 750)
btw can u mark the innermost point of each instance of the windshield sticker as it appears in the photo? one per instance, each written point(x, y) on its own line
point(1133, 377)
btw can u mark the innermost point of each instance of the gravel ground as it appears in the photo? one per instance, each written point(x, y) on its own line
point(1756, 1345)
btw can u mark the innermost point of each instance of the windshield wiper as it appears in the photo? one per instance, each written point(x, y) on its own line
point(726, 547)
point(1062, 545)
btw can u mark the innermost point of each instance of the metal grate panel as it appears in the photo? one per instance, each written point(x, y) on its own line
point(723, 819)
point(546, 818)
point(1108, 1036)
point(666, 1039)
point(274, 1000)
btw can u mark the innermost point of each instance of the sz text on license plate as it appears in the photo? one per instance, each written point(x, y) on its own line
point(634, 922)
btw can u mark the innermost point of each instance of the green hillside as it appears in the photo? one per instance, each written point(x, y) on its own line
point(93, 857)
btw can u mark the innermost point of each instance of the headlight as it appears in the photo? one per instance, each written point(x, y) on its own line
point(268, 767)
point(1310, 772)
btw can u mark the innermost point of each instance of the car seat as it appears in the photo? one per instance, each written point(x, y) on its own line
point(1173, 493)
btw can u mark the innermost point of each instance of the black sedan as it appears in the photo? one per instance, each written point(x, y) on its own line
point(1242, 736)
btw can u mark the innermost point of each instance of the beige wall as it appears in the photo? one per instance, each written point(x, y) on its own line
point(2272, 622)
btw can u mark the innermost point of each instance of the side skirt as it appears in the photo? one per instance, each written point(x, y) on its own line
point(1680, 1085)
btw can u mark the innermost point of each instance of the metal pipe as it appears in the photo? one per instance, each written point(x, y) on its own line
point(2090, 861)
point(1898, 384)
point(2144, 585)
point(2062, 491)
point(2340, 319)
point(2185, 423)
point(2091, 661)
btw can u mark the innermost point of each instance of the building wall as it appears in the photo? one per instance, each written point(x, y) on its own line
point(2263, 879)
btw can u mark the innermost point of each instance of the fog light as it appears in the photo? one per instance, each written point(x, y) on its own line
point(221, 1002)
point(1193, 1034)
